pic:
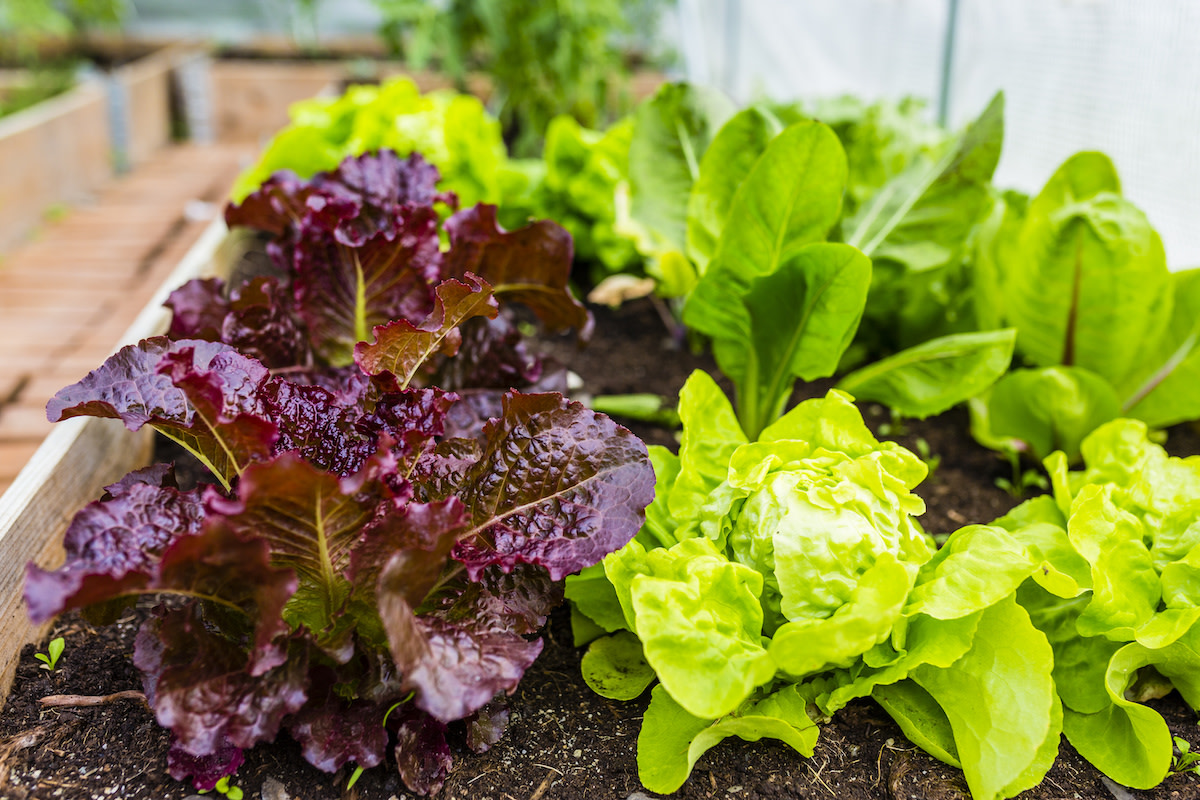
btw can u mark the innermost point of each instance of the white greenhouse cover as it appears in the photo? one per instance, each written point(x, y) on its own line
point(1120, 76)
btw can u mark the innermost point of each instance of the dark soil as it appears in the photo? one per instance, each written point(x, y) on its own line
point(563, 741)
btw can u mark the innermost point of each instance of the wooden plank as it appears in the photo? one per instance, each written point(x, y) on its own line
point(251, 98)
point(31, 279)
point(147, 83)
point(67, 471)
point(50, 299)
point(55, 152)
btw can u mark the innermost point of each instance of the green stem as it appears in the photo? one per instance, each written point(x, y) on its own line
point(360, 302)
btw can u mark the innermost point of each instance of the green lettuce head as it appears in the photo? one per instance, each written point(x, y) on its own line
point(824, 502)
point(783, 556)
point(777, 580)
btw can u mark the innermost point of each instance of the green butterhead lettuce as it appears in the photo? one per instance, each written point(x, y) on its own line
point(672, 740)
point(583, 172)
point(700, 622)
point(778, 579)
point(1118, 594)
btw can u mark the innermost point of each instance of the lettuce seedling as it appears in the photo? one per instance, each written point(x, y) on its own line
point(54, 650)
point(376, 538)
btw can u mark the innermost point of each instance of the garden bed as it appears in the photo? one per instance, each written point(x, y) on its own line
point(252, 90)
point(563, 740)
point(63, 149)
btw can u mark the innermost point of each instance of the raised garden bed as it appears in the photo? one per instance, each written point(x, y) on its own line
point(563, 740)
point(61, 150)
point(57, 151)
point(392, 546)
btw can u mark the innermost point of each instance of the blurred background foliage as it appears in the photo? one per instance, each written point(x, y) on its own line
point(564, 57)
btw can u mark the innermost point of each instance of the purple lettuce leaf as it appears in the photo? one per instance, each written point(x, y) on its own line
point(520, 600)
point(349, 385)
point(204, 395)
point(311, 521)
point(242, 589)
point(352, 202)
point(558, 485)
point(330, 435)
point(471, 413)
point(199, 686)
point(415, 419)
point(486, 726)
point(492, 355)
point(338, 731)
point(129, 387)
point(335, 434)
point(439, 472)
point(530, 265)
point(383, 184)
point(113, 547)
point(402, 348)
point(204, 771)
point(198, 310)
point(156, 475)
point(261, 323)
point(412, 550)
point(315, 521)
point(230, 427)
point(281, 202)
point(455, 663)
point(423, 757)
point(342, 292)
point(257, 320)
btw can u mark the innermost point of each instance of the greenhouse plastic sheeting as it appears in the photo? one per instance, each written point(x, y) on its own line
point(1120, 76)
point(788, 49)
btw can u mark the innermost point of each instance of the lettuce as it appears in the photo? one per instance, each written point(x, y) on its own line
point(393, 520)
point(583, 172)
point(452, 130)
point(776, 580)
point(1126, 625)
point(1107, 329)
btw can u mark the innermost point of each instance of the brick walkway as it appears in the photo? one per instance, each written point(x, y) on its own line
point(68, 294)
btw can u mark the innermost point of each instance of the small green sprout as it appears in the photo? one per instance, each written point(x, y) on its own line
point(358, 770)
point(1022, 480)
point(926, 454)
point(230, 792)
point(895, 427)
point(54, 649)
point(1186, 761)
